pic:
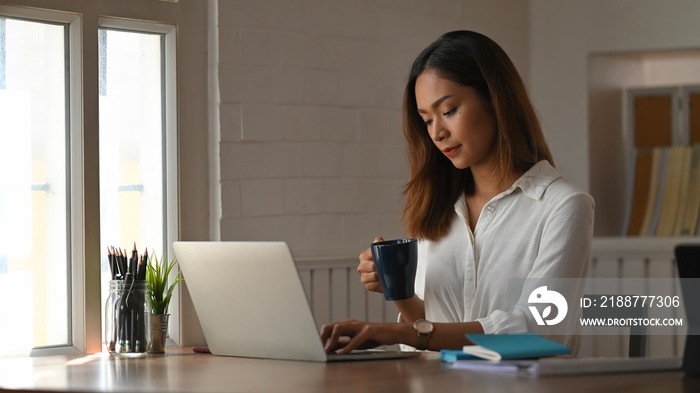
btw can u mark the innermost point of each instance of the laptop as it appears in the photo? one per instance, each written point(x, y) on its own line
point(251, 303)
point(688, 263)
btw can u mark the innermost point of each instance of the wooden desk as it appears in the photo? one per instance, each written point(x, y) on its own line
point(181, 370)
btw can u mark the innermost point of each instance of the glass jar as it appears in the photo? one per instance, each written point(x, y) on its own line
point(127, 317)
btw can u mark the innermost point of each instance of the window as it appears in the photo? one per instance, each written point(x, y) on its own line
point(133, 171)
point(52, 214)
point(34, 184)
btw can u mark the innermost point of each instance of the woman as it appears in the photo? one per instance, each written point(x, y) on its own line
point(483, 199)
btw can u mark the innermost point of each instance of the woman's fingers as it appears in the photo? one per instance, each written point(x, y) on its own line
point(366, 266)
point(371, 282)
point(335, 335)
point(367, 270)
point(368, 278)
point(367, 254)
point(345, 336)
point(349, 335)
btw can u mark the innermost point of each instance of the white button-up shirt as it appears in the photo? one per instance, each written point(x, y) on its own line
point(541, 227)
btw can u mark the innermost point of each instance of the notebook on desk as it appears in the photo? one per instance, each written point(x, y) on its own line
point(572, 366)
point(251, 303)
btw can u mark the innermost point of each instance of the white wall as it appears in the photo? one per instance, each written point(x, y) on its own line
point(311, 147)
point(558, 82)
point(563, 34)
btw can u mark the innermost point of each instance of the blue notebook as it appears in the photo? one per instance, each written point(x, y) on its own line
point(497, 347)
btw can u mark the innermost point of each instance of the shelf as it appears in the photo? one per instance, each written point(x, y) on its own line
point(651, 247)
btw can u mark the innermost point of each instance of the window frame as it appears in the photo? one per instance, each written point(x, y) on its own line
point(170, 104)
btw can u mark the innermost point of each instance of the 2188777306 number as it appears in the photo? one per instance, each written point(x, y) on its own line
point(630, 301)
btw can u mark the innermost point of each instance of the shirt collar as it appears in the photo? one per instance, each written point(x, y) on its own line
point(536, 180)
point(533, 184)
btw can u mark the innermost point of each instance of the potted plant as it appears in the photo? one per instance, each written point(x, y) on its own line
point(159, 295)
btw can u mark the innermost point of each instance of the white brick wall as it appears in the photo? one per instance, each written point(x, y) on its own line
point(311, 147)
point(284, 160)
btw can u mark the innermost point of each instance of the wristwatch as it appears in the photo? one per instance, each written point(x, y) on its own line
point(424, 328)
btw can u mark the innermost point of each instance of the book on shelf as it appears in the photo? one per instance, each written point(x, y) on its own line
point(656, 184)
point(691, 209)
point(665, 195)
point(640, 193)
point(671, 196)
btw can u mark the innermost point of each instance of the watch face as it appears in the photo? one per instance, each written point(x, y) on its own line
point(424, 327)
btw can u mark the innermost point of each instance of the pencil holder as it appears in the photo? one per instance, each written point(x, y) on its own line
point(127, 318)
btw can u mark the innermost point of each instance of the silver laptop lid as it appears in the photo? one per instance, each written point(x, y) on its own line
point(250, 300)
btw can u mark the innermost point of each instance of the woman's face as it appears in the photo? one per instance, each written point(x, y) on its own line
point(456, 119)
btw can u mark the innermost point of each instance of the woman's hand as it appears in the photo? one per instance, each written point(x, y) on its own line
point(368, 274)
point(347, 335)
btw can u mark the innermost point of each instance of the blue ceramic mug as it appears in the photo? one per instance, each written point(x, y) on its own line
point(396, 262)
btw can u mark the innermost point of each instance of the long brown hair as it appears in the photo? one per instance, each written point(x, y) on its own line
point(469, 59)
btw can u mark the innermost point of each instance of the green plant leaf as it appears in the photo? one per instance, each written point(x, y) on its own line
point(157, 273)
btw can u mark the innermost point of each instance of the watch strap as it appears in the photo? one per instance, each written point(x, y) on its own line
point(423, 339)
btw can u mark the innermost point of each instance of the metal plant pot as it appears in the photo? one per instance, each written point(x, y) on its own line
point(159, 332)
